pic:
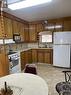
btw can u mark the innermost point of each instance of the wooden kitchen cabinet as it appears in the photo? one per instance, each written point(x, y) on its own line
point(2, 34)
point(48, 56)
point(34, 55)
point(15, 27)
point(26, 33)
point(32, 33)
point(25, 58)
point(29, 55)
point(59, 22)
point(67, 25)
point(39, 29)
point(40, 56)
point(51, 23)
point(8, 28)
point(4, 65)
point(45, 56)
point(21, 30)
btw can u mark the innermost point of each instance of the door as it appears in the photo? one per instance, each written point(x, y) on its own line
point(61, 55)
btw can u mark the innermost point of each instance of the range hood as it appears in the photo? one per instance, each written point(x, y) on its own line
point(6, 41)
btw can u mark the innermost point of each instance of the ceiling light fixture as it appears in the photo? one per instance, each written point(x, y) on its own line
point(27, 3)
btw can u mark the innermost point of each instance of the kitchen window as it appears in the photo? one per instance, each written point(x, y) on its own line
point(45, 37)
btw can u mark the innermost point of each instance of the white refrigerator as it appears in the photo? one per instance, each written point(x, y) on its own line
point(62, 49)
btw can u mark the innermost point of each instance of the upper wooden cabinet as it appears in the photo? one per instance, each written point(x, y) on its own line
point(67, 25)
point(59, 25)
point(8, 28)
point(39, 29)
point(50, 25)
point(21, 30)
point(15, 26)
point(32, 33)
point(26, 33)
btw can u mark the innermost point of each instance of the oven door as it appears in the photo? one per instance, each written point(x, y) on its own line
point(14, 65)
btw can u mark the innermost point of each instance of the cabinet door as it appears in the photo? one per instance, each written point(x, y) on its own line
point(67, 25)
point(15, 27)
point(47, 57)
point(26, 33)
point(21, 30)
point(40, 56)
point(34, 56)
point(32, 33)
point(8, 27)
point(39, 29)
point(25, 58)
point(4, 65)
point(59, 25)
point(50, 25)
point(22, 60)
point(29, 55)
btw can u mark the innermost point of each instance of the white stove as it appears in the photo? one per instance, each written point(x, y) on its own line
point(14, 62)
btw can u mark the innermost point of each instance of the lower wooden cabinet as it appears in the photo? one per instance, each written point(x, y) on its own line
point(36, 56)
point(25, 58)
point(45, 56)
point(4, 65)
point(40, 56)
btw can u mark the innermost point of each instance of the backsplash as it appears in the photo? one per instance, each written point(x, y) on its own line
point(40, 45)
point(32, 45)
point(45, 45)
point(22, 46)
point(15, 47)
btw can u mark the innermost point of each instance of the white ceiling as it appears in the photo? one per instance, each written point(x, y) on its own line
point(54, 9)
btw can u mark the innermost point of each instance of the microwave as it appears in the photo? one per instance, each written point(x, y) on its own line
point(16, 37)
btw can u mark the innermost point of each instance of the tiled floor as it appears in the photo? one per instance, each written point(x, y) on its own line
point(52, 75)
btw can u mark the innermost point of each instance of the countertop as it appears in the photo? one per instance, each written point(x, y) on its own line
point(25, 49)
point(32, 48)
